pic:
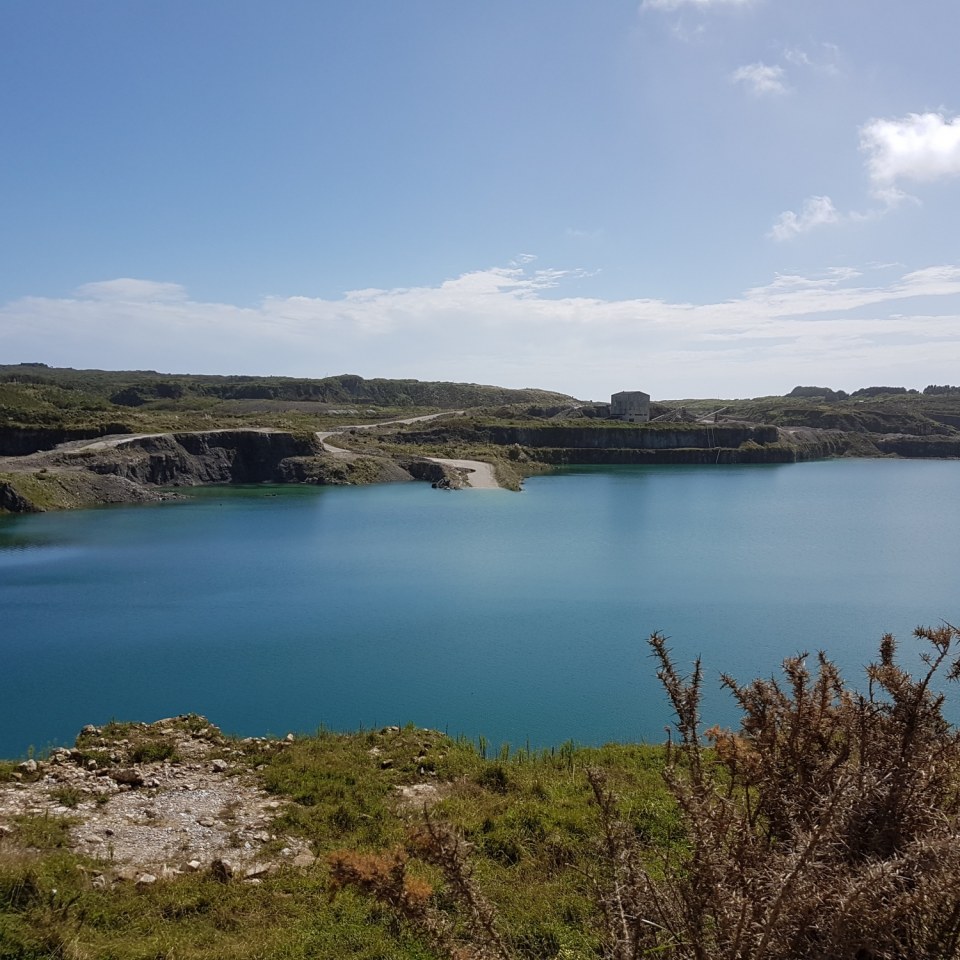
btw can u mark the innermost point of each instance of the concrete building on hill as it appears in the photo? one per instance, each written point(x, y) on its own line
point(633, 406)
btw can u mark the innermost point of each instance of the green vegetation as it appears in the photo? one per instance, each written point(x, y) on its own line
point(519, 432)
point(69, 403)
point(151, 752)
point(528, 816)
point(828, 825)
point(42, 832)
point(871, 410)
point(41, 489)
point(100, 401)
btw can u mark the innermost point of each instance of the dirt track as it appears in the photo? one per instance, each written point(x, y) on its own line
point(479, 475)
point(476, 474)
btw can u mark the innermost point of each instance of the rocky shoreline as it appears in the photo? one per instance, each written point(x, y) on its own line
point(146, 468)
point(142, 469)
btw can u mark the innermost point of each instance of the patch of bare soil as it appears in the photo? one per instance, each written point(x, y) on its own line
point(415, 798)
point(153, 800)
point(475, 473)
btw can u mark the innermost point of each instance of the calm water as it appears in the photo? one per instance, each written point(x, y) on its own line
point(521, 617)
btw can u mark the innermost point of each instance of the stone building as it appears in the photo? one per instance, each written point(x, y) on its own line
point(630, 405)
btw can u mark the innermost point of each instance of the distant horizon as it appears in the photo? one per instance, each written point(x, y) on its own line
point(39, 364)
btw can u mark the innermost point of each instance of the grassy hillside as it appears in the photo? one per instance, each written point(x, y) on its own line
point(35, 395)
point(864, 411)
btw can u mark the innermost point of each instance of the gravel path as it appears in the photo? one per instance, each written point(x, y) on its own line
point(118, 440)
point(479, 475)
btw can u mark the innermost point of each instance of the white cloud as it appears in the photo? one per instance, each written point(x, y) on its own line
point(921, 147)
point(825, 61)
point(816, 212)
point(939, 279)
point(577, 233)
point(512, 326)
point(766, 79)
point(797, 57)
point(127, 288)
point(701, 4)
point(761, 78)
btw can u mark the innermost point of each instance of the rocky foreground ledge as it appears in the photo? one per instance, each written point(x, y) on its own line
point(151, 801)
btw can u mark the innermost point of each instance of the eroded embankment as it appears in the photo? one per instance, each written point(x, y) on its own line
point(903, 445)
point(636, 444)
point(133, 469)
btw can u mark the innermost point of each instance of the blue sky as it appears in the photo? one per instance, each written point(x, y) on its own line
point(691, 197)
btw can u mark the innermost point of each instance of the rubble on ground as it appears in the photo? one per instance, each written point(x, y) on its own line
point(151, 801)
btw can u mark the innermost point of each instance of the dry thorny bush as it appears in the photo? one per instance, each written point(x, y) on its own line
point(387, 879)
point(827, 827)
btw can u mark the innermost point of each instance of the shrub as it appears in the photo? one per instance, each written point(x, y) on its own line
point(153, 751)
point(828, 826)
point(68, 795)
point(494, 778)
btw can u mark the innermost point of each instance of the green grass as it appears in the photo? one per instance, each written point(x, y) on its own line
point(528, 815)
point(45, 396)
point(68, 796)
point(151, 752)
point(7, 770)
point(41, 489)
point(42, 832)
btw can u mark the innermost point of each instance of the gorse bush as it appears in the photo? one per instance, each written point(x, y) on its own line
point(825, 827)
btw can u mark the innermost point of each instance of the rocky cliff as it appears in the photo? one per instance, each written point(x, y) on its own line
point(613, 443)
point(141, 469)
point(185, 459)
point(136, 469)
point(595, 436)
point(939, 448)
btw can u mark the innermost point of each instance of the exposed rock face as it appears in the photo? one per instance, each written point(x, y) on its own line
point(772, 453)
point(129, 470)
point(907, 446)
point(12, 501)
point(617, 444)
point(222, 456)
point(600, 437)
point(328, 469)
point(121, 470)
point(433, 472)
point(34, 491)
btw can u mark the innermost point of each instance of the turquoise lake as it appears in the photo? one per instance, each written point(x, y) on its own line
point(521, 617)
